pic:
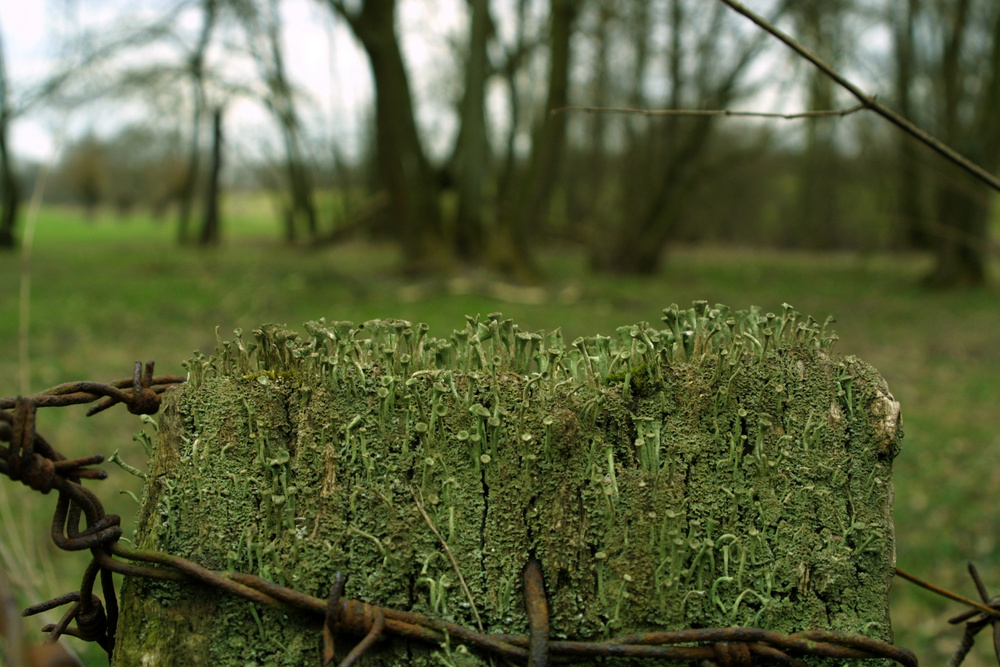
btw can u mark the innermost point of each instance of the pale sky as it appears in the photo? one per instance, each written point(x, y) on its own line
point(322, 58)
point(321, 55)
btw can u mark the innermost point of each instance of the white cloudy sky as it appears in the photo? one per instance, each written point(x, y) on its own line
point(322, 57)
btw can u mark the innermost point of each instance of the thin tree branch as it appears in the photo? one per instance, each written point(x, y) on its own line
point(714, 112)
point(345, 13)
point(869, 101)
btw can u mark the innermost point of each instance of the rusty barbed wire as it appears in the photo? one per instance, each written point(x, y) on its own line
point(974, 622)
point(33, 461)
point(17, 652)
point(144, 397)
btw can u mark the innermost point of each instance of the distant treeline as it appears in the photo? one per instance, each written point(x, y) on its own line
point(754, 199)
point(517, 167)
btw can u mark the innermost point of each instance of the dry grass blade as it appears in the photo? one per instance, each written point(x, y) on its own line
point(451, 556)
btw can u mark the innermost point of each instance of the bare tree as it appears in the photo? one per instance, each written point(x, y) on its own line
point(196, 72)
point(281, 101)
point(189, 76)
point(512, 249)
point(9, 190)
point(403, 167)
point(10, 193)
point(587, 174)
point(514, 57)
point(180, 79)
point(819, 24)
point(966, 71)
point(911, 231)
point(210, 228)
point(470, 166)
point(705, 57)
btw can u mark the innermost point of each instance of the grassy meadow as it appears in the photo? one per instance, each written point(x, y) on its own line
point(107, 292)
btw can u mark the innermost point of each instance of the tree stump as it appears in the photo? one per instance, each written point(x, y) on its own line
point(725, 470)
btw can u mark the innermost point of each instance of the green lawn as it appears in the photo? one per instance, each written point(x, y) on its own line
point(108, 292)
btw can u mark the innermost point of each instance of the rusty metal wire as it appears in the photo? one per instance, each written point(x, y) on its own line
point(33, 461)
point(14, 650)
point(975, 622)
point(978, 617)
point(975, 619)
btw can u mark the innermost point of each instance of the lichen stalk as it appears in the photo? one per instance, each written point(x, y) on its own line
point(690, 475)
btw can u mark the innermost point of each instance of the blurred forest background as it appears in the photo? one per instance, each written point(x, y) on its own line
point(195, 179)
point(464, 163)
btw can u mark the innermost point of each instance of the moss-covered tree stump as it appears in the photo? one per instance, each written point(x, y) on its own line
point(723, 470)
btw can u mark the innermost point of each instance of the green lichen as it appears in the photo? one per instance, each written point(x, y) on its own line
point(725, 469)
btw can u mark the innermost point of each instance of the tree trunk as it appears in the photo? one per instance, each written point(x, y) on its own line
point(402, 165)
point(636, 247)
point(423, 474)
point(667, 159)
point(911, 229)
point(301, 209)
point(513, 252)
point(9, 190)
point(815, 224)
point(971, 124)
point(815, 227)
point(196, 69)
point(472, 153)
point(961, 260)
point(189, 185)
point(587, 184)
point(210, 233)
point(510, 69)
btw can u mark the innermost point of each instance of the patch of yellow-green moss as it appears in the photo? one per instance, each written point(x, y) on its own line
point(725, 469)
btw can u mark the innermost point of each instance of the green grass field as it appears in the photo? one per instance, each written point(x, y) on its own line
point(108, 292)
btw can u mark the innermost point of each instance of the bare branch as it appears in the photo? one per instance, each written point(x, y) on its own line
point(345, 13)
point(868, 101)
point(714, 112)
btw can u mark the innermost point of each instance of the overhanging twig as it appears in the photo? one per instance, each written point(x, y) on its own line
point(869, 101)
point(716, 112)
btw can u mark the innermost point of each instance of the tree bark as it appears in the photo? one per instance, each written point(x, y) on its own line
point(470, 167)
point(403, 168)
point(196, 69)
point(302, 209)
point(971, 123)
point(9, 189)
point(210, 228)
point(513, 253)
point(911, 229)
point(666, 160)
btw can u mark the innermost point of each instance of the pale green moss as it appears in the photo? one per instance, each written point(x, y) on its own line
point(723, 470)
